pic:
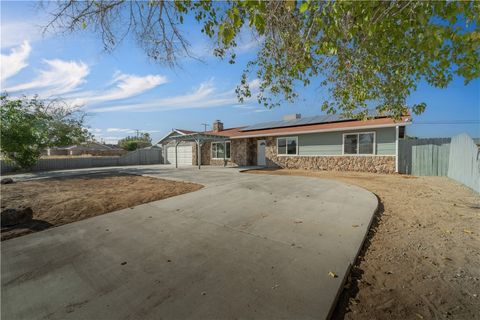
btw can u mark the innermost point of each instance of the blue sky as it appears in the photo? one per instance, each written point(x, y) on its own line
point(124, 91)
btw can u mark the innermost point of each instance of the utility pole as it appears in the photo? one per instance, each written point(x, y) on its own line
point(205, 125)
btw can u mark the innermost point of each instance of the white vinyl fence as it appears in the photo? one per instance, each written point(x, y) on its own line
point(137, 157)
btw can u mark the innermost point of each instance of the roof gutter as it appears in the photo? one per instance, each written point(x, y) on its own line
point(199, 137)
point(322, 130)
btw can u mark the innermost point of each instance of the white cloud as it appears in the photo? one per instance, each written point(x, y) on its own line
point(205, 96)
point(58, 78)
point(112, 135)
point(262, 110)
point(126, 130)
point(250, 45)
point(110, 140)
point(204, 91)
point(61, 77)
point(14, 33)
point(246, 107)
point(202, 97)
point(248, 41)
point(123, 86)
point(15, 61)
point(120, 130)
point(254, 85)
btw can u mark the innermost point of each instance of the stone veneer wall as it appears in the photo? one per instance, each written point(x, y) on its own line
point(205, 149)
point(238, 154)
point(194, 154)
point(244, 153)
point(376, 164)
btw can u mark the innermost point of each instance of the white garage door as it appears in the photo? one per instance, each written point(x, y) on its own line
point(184, 155)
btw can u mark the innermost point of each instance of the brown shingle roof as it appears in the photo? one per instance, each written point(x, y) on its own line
point(227, 132)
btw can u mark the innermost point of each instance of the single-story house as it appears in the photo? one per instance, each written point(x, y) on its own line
point(328, 142)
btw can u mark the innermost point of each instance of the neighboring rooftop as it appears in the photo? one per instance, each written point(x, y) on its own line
point(90, 145)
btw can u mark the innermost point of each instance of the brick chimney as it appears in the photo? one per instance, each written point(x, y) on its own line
point(217, 126)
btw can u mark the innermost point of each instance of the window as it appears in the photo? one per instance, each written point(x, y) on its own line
point(287, 146)
point(359, 143)
point(218, 152)
point(350, 142)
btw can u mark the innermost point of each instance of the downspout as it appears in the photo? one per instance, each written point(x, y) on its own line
point(176, 154)
point(396, 148)
point(199, 154)
point(224, 153)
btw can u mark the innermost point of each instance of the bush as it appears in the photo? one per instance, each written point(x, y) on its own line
point(28, 126)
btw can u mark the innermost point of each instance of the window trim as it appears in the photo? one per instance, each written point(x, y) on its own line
point(286, 146)
point(374, 151)
point(220, 142)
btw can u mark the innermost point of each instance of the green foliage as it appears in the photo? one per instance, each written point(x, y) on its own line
point(28, 126)
point(366, 54)
point(132, 143)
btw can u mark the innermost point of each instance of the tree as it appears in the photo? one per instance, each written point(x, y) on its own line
point(366, 53)
point(131, 143)
point(28, 126)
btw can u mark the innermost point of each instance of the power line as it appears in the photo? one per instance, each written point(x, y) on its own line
point(448, 122)
point(205, 125)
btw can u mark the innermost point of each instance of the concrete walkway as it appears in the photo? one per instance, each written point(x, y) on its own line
point(245, 246)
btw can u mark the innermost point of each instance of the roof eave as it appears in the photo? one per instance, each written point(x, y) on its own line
point(168, 135)
point(198, 136)
point(323, 130)
point(246, 129)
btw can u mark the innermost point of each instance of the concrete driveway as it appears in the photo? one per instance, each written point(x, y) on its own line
point(245, 246)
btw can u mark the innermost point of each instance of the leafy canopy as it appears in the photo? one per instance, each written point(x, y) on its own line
point(28, 126)
point(130, 143)
point(369, 53)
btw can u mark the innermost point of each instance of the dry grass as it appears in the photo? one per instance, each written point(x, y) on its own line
point(64, 200)
point(421, 259)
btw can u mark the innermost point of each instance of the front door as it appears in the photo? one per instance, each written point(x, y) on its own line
point(261, 153)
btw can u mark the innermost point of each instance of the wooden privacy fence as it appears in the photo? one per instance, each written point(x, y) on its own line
point(424, 157)
point(137, 157)
point(464, 162)
point(458, 158)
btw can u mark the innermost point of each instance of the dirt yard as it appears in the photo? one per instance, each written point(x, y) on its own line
point(63, 200)
point(421, 259)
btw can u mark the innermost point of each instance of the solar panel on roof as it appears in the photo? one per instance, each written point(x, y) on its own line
point(304, 121)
